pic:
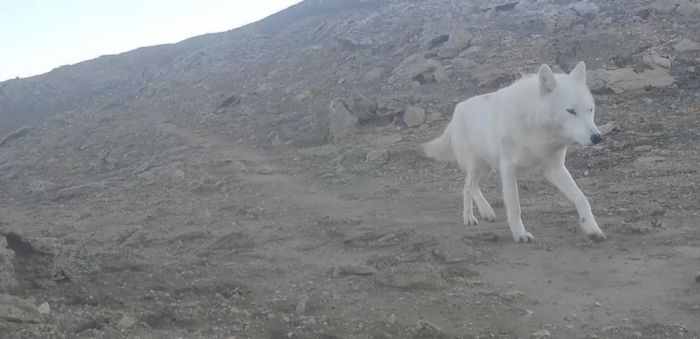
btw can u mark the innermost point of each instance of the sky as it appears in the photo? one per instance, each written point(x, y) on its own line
point(37, 36)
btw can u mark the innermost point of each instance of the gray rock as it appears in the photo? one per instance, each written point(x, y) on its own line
point(346, 270)
point(608, 127)
point(417, 68)
point(352, 44)
point(453, 251)
point(342, 122)
point(413, 116)
point(655, 60)
point(458, 41)
point(126, 321)
point(362, 107)
point(43, 186)
point(18, 310)
point(697, 277)
point(375, 74)
point(541, 334)
point(413, 276)
point(626, 79)
point(687, 8)
point(686, 45)
point(556, 20)
point(7, 269)
point(379, 156)
point(433, 117)
point(642, 148)
point(77, 191)
point(586, 9)
point(597, 80)
point(301, 305)
point(491, 76)
point(17, 134)
point(305, 94)
point(648, 162)
point(425, 329)
point(44, 308)
point(264, 89)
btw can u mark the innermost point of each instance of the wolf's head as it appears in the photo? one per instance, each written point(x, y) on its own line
point(568, 106)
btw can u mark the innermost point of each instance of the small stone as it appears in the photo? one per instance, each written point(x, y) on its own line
point(608, 127)
point(697, 277)
point(451, 252)
point(483, 236)
point(661, 61)
point(413, 277)
point(380, 156)
point(425, 329)
point(416, 68)
point(374, 74)
point(458, 41)
point(541, 334)
point(648, 162)
point(346, 270)
point(126, 321)
point(413, 116)
point(265, 170)
point(513, 295)
point(44, 308)
point(642, 148)
point(342, 122)
point(686, 45)
point(300, 308)
point(586, 9)
point(433, 117)
point(303, 95)
point(17, 310)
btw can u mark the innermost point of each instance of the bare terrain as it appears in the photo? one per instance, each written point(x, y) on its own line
point(265, 183)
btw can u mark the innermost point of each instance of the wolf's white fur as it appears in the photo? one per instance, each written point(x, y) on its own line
point(527, 125)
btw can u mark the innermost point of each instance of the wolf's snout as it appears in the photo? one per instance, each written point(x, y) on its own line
point(596, 138)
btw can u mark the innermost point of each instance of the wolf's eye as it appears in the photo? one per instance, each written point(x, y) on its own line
point(571, 110)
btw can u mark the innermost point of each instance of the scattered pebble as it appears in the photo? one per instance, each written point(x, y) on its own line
point(126, 321)
point(379, 156)
point(301, 305)
point(608, 127)
point(44, 308)
point(642, 148)
point(346, 270)
point(541, 334)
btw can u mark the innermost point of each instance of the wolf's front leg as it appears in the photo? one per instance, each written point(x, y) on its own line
point(512, 202)
point(560, 177)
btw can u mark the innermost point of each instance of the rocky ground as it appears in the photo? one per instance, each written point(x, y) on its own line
point(265, 183)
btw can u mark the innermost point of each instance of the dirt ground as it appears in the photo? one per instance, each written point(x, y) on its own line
point(322, 243)
point(146, 220)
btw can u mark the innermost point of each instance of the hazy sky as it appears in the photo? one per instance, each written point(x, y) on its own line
point(39, 35)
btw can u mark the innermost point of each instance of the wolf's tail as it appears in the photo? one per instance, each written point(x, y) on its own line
point(440, 149)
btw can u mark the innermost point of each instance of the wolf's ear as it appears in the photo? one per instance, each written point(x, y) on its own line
point(579, 73)
point(546, 78)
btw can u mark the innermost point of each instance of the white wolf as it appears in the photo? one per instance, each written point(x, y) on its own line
point(527, 125)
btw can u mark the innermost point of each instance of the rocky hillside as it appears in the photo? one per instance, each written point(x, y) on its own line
point(263, 182)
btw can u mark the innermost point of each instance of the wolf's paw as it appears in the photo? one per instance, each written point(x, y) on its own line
point(470, 220)
point(596, 236)
point(525, 236)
